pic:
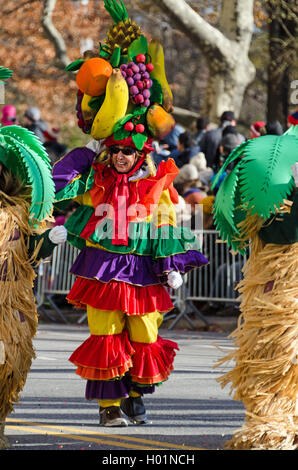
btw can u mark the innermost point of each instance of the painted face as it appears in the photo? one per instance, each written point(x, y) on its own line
point(123, 158)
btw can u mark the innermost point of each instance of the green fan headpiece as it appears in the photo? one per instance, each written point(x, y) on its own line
point(24, 155)
point(259, 182)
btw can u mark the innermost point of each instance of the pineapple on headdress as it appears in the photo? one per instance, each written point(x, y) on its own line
point(123, 32)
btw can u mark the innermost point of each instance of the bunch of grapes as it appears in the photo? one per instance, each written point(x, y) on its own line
point(137, 76)
point(81, 123)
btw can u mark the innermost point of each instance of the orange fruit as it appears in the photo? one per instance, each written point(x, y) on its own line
point(93, 75)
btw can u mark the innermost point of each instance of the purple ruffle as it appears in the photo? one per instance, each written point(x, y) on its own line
point(93, 263)
point(104, 390)
point(110, 389)
point(182, 262)
point(73, 164)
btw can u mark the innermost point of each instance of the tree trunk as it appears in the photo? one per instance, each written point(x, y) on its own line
point(53, 34)
point(225, 49)
point(282, 38)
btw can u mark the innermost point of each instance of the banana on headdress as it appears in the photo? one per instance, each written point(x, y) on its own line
point(138, 104)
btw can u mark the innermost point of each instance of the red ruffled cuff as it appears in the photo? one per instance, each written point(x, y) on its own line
point(153, 363)
point(103, 357)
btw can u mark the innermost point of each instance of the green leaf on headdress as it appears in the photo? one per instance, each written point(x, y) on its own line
point(117, 10)
point(121, 133)
point(76, 65)
point(123, 59)
point(115, 58)
point(139, 140)
point(156, 92)
point(5, 73)
point(138, 46)
point(266, 177)
point(96, 101)
point(139, 111)
point(26, 156)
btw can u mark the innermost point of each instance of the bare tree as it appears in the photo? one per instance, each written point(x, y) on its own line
point(283, 56)
point(53, 34)
point(225, 48)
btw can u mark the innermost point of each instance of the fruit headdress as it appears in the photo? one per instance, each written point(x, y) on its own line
point(123, 93)
point(22, 153)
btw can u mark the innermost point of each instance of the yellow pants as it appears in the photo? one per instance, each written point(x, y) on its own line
point(141, 328)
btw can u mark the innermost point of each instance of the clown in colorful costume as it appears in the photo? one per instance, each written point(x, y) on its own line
point(120, 278)
point(125, 226)
point(257, 205)
point(26, 199)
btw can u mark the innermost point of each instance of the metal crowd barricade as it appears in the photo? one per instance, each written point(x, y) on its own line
point(54, 278)
point(218, 280)
point(215, 282)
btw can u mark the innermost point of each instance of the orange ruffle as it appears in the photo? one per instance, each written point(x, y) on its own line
point(117, 295)
point(101, 374)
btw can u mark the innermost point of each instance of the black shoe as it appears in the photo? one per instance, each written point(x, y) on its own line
point(134, 409)
point(112, 416)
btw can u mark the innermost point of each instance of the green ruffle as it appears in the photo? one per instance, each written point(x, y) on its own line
point(75, 225)
point(144, 238)
point(78, 187)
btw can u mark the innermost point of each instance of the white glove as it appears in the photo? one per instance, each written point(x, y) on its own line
point(58, 234)
point(295, 173)
point(175, 279)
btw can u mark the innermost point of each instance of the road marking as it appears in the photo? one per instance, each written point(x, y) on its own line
point(45, 358)
point(95, 433)
point(73, 436)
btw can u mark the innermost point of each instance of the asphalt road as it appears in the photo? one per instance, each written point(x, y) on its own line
point(188, 412)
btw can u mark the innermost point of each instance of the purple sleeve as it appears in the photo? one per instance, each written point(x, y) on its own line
point(73, 164)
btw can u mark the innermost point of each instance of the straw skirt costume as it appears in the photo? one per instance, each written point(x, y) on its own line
point(265, 369)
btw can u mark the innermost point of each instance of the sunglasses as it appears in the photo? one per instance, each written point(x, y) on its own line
point(125, 151)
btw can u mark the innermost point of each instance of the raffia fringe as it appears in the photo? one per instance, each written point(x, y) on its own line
point(265, 372)
point(18, 317)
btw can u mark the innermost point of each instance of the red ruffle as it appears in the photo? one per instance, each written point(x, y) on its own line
point(103, 351)
point(153, 362)
point(117, 295)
